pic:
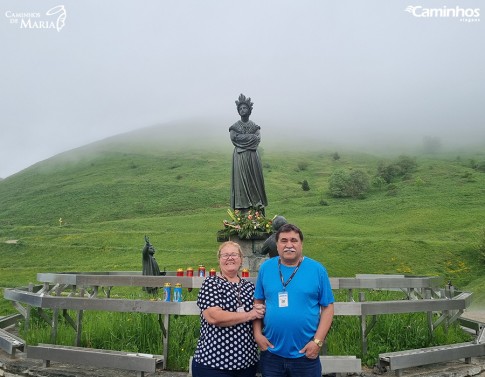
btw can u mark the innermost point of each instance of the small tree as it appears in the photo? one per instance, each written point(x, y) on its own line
point(339, 180)
point(378, 182)
point(407, 164)
point(302, 165)
point(359, 183)
point(344, 184)
point(388, 172)
point(305, 186)
point(480, 166)
point(401, 167)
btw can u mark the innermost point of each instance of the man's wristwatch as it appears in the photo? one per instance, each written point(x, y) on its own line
point(318, 342)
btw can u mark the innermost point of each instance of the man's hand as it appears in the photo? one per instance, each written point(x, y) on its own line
point(311, 350)
point(263, 343)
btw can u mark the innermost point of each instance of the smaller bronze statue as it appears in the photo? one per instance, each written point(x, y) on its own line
point(150, 265)
point(269, 246)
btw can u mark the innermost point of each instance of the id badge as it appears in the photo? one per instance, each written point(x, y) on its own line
point(240, 309)
point(283, 299)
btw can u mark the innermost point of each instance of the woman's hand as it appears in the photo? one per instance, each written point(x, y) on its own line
point(260, 310)
point(220, 317)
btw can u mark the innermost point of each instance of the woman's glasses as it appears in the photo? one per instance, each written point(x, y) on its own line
point(227, 256)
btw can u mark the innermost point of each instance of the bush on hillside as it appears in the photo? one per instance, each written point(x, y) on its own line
point(302, 166)
point(378, 182)
point(345, 184)
point(305, 186)
point(479, 166)
point(402, 167)
point(407, 164)
point(388, 172)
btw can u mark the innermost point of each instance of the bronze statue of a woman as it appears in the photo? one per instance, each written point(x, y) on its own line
point(150, 265)
point(247, 183)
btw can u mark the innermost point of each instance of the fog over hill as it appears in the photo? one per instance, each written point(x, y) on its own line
point(277, 135)
point(372, 74)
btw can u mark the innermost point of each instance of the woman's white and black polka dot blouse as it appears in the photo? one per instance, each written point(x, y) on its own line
point(230, 347)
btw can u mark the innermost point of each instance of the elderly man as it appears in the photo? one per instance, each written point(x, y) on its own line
point(299, 309)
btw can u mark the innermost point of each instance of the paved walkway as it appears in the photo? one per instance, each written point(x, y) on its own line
point(22, 367)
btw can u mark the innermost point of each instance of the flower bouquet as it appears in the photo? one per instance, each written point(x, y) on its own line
point(246, 225)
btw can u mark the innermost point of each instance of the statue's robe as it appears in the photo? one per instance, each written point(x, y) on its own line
point(247, 183)
point(150, 266)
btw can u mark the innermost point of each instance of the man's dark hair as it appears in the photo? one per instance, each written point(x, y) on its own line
point(288, 228)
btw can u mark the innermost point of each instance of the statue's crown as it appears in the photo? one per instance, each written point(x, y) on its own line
point(243, 100)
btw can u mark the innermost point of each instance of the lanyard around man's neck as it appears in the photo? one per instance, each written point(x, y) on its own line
point(285, 284)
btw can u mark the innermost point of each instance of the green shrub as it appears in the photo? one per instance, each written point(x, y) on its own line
point(344, 184)
point(305, 186)
point(302, 165)
point(339, 181)
point(407, 164)
point(402, 167)
point(359, 183)
point(418, 181)
point(378, 182)
point(479, 166)
point(388, 172)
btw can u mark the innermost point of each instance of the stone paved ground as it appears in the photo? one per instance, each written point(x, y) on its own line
point(22, 367)
point(477, 314)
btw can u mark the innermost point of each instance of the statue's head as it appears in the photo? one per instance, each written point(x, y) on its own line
point(151, 249)
point(148, 246)
point(278, 222)
point(244, 101)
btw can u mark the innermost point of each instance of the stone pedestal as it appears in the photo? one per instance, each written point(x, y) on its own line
point(252, 263)
point(251, 246)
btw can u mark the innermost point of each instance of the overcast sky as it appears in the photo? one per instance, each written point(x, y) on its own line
point(357, 70)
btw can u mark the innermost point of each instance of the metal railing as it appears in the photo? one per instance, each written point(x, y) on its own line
point(84, 291)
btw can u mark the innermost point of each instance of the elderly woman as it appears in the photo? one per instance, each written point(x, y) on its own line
point(226, 346)
point(247, 183)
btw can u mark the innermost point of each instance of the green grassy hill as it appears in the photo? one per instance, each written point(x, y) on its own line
point(111, 193)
